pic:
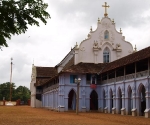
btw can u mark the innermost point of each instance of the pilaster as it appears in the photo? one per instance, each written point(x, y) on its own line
point(134, 110)
point(147, 110)
point(123, 100)
point(114, 100)
point(83, 101)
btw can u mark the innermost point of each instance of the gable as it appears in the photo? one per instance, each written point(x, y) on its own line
point(104, 36)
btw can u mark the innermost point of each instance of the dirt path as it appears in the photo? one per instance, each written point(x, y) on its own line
point(25, 115)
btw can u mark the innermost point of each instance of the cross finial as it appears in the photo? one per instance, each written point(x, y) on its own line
point(105, 14)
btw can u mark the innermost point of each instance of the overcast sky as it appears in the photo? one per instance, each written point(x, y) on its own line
point(70, 23)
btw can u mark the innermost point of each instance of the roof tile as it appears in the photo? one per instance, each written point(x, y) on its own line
point(46, 71)
point(134, 57)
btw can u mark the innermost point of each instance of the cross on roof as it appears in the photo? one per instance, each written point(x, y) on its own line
point(105, 14)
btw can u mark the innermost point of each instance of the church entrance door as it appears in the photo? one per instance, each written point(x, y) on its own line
point(93, 100)
point(72, 100)
point(142, 100)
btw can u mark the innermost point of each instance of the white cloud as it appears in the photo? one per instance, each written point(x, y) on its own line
point(70, 23)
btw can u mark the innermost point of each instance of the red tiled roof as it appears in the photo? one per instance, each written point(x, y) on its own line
point(137, 56)
point(41, 81)
point(84, 68)
point(70, 63)
point(91, 67)
point(46, 71)
point(48, 80)
point(79, 68)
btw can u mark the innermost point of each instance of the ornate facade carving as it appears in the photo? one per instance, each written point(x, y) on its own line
point(95, 45)
point(106, 25)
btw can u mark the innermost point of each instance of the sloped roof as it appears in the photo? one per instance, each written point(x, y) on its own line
point(44, 74)
point(84, 68)
point(65, 57)
point(41, 81)
point(70, 63)
point(46, 71)
point(91, 67)
point(134, 57)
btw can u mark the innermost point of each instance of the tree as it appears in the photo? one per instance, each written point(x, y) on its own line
point(16, 15)
point(22, 93)
point(5, 90)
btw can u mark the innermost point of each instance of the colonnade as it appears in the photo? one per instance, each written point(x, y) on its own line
point(50, 100)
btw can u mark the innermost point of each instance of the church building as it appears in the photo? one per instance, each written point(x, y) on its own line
point(112, 76)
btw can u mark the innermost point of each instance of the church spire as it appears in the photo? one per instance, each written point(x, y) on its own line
point(105, 14)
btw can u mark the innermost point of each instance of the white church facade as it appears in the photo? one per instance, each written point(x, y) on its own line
point(114, 77)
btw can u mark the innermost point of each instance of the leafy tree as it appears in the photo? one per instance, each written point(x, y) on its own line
point(5, 90)
point(16, 15)
point(22, 93)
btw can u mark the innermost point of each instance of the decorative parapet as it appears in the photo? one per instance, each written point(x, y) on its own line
point(142, 74)
point(120, 78)
point(127, 77)
point(111, 80)
point(130, 76)
point(104, 82)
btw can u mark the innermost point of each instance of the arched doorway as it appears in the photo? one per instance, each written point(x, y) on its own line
point(130, 101)
point(111, 100)
point(93, 100)
point(119, 100)
point(72, 100)
point(142, 100)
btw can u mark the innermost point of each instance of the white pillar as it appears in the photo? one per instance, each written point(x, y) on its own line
point(134, 110)
point(123, 100)
point(123, 105)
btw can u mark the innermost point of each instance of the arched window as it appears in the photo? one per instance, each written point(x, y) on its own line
point(106, 55)
point(106, 35)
